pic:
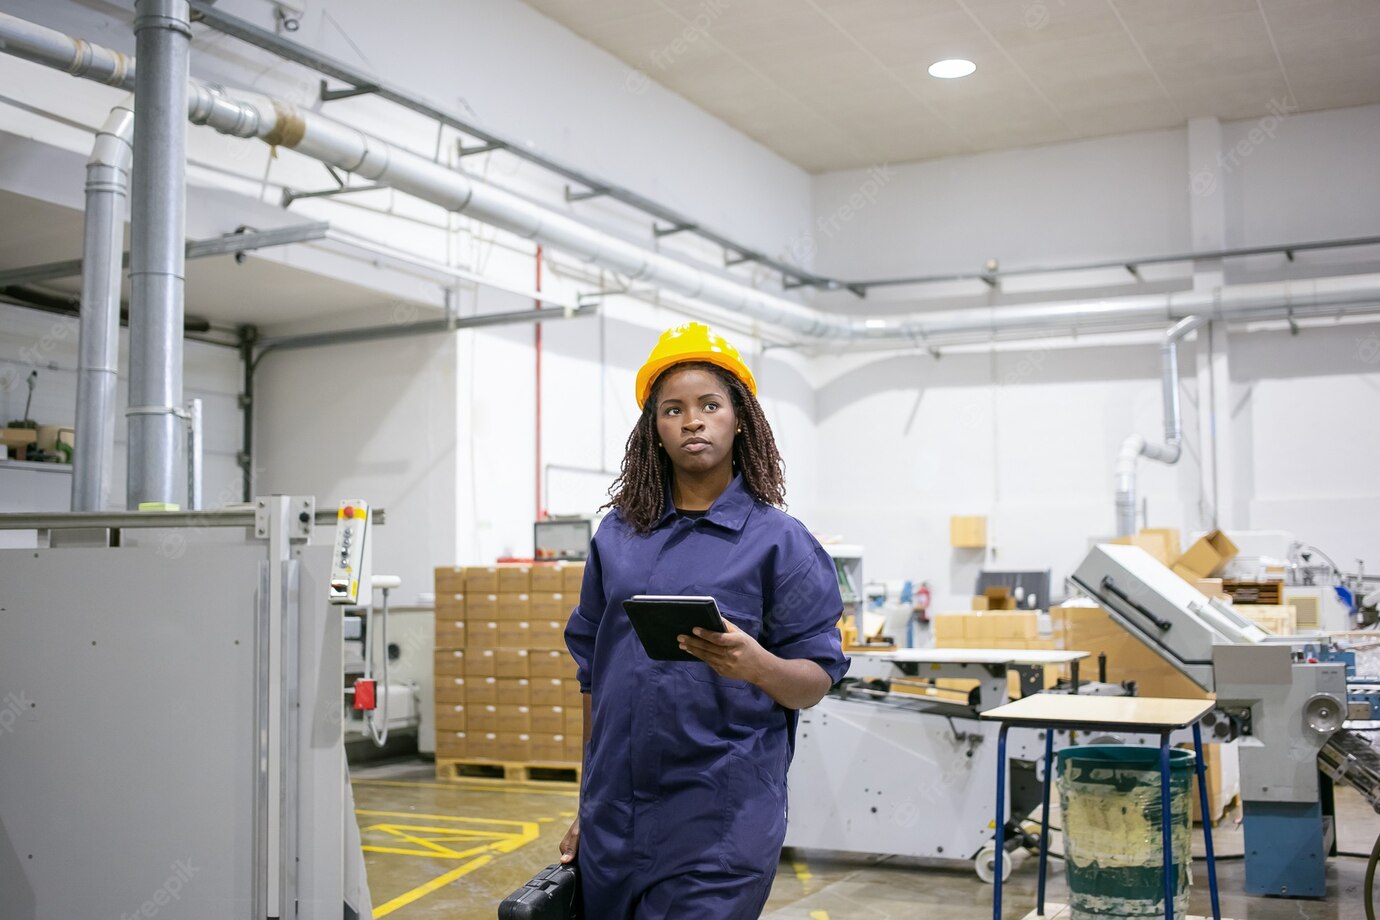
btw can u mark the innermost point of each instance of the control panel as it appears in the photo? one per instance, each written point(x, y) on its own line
point(349, 560)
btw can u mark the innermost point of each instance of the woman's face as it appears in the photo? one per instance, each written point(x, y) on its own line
point(695, 421)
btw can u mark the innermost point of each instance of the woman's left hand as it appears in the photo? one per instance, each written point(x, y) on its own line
point(732, 654)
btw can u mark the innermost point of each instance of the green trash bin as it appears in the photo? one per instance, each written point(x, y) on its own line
point(1109, 796)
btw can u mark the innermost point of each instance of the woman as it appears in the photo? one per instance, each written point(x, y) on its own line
point(683, 810)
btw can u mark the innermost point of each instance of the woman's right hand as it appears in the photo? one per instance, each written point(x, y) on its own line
point(570, 843)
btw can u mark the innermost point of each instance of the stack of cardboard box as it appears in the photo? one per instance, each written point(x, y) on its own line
point(505, 684)
point(1008, 629)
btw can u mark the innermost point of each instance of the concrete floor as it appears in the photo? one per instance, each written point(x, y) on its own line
point(454, 851)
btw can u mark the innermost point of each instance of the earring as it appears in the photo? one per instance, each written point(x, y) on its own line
point(740, 431)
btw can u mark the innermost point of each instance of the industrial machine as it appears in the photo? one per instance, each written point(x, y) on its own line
point(877, 771)
point(888, 772)
point(1287, 702)
point(176, 738)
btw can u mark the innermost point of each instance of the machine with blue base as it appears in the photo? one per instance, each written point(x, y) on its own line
point(1286, 702)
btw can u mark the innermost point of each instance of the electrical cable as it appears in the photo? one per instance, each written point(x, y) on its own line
point(370, 717)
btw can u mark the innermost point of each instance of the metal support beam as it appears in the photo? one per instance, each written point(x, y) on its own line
point(330, 95)
point(572, 195)
point(428, 327)
point(289, 196)
point(659, 231)
point(1134, 270)
point(739, 259)
point(196, 249)
point(989, 280)
point(463, 151)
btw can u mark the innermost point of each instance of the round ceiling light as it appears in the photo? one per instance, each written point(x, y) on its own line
point(952, 69)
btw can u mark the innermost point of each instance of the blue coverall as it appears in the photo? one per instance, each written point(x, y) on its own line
point(683, 810)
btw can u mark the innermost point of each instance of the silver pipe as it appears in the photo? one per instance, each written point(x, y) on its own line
point(98, 362)
point(314, 135)
point(1134, 445)
point(157, 261)
point(194, 454)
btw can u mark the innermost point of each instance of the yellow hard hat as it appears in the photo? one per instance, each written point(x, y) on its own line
point(691, 342)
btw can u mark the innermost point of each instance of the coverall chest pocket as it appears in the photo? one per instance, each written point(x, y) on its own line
point(745, 610)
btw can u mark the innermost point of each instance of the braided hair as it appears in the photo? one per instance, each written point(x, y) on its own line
point(639, 492)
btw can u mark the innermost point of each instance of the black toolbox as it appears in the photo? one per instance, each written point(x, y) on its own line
point(552, 894)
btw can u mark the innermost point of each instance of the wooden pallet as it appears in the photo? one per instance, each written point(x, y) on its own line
point(503, 773)
point(1254, 592)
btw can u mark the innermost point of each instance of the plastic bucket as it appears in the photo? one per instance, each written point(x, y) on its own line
point(1113, 842)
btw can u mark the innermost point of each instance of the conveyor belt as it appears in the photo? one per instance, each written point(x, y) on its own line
point(1350, 758)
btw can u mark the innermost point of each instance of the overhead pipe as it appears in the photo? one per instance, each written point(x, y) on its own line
point(98, 337)
point(311, 134)
point(1135, 445)
point(157, 261)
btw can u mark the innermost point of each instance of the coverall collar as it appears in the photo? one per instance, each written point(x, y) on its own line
point(730, 510)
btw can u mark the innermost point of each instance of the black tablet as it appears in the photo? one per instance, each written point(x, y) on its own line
point(658, 619)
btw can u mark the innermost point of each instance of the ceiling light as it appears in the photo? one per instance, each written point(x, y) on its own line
point(875, 324)
point(952, 68)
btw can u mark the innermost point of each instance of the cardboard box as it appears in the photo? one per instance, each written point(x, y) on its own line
point(547, 635)
point(552, 606)
point(450, 717)
point(572, 697)
point(512, 691)
point(1092, 630)
point(482, 746)
point(514, 634)
point(1154, 543)
point(512, 662)
point(453, 745)
point(481, 579)
point(574, 749)
point(481, 634)
point(1276, 619)
point(450, 633)
point(514, 607)
point(449, 579)
point(514, 718)
point(451, 689)
point(1209, 587)
point(514, 748)
point(573, 576)
point(547, 691)
point(480, 662)
point(548, 577)
point(450, 662)
point(552, 663)
point(16, 441)
point(1170, 538)
point(453, 603)
point(979, 602)
point(948, 628)
point(999, 597)
point(1207, 555)
point(548, 748)
point(514, 579)
point(481, 607)
point(574, 721)
point(483, 718)
point(968, 531)
point(481, 691)
point(548, 720)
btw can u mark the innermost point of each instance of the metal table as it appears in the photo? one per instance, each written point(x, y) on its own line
point(1052, 711)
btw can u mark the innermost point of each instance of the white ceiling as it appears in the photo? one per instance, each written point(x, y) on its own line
point(838, 84)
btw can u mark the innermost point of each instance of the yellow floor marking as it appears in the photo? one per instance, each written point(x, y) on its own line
point(456, 818)
point(440, 881)
point(817, 915)
point(437, 837)
point(802, 871)
point(461, 787)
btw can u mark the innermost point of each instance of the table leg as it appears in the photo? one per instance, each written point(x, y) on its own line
point(999, 825)
point(1044, 823)
point(1207, 820)
point(1165, 828)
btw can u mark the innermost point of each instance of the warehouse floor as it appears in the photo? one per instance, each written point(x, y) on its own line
point(454, 851)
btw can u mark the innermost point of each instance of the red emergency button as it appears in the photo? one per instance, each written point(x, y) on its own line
point(349, 511)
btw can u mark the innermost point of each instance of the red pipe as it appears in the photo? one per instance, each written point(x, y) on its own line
point(537, 306)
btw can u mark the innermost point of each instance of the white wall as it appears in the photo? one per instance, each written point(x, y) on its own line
point(33, 340)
